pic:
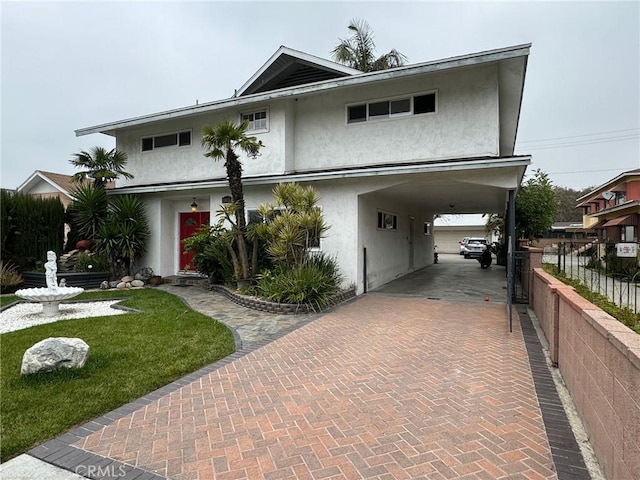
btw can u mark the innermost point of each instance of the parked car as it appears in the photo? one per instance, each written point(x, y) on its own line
point(474, 247)
point(462, 244)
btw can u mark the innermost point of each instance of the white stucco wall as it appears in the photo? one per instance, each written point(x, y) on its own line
point(310, 132)
point(388, 251)
point(188, 163)
point(465, 125)
point(350, 211)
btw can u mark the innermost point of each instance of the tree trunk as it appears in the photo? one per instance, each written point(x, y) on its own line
point(234, 261)
point(234, 177)
point(254, 256)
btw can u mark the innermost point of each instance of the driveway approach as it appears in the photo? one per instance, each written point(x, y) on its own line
point(385, 387)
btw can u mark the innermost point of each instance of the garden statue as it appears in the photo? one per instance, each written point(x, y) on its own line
point(50, 270)
point(51, 296)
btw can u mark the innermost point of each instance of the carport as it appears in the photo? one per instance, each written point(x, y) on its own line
point(469, 186)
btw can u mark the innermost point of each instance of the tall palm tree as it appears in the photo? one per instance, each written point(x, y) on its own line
point(358, 51)
point(100, 164)
point(221, 141)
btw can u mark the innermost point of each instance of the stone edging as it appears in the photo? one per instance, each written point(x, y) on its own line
point(281, 308)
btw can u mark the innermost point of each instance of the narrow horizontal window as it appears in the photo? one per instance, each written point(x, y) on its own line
point(399, 107)
point(168, 140)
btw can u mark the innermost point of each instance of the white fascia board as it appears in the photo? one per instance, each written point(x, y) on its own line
point(41, 176)
point(29, 180)
point(302, 56)
point(472, 164)
point(311, 88)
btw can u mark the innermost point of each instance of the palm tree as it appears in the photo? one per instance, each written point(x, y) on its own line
point(359, 51)
point(221, 141)
point(100, 164)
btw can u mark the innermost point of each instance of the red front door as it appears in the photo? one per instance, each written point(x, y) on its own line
point(189, 223)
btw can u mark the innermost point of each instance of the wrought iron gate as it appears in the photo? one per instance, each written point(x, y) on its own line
point(521, 276)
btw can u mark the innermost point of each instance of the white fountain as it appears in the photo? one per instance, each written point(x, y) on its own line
point(51, 296)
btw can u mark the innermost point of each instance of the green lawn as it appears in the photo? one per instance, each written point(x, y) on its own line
point(131, 355)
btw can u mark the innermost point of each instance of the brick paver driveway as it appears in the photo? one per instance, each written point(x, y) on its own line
point(383, 387)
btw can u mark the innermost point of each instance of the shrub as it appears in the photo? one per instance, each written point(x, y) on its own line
point(623, 315)
point(123, 237)
point(313, 282)
point(30, 227)
point(211, 256)
point(90, 262)
point(10, 279)
point(293, 225)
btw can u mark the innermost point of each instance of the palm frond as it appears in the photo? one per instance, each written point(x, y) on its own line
point(358, 51)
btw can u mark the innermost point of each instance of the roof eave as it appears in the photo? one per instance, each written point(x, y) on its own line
point(521, 162)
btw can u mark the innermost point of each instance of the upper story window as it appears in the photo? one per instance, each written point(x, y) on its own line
point(398, 107)
point(180, 139)
point(257, 120)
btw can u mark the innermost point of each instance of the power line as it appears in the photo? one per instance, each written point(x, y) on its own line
point(590, 171)
point(580, 136)
point(578, 144)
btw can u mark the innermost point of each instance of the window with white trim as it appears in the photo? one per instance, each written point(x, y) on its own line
point(257, 120)
point(392, 108)
point(387, 220)
point(178, 139)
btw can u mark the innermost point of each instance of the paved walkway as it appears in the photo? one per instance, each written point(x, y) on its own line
point(385, 386)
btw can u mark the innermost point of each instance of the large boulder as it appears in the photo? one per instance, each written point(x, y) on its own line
point(53, 353)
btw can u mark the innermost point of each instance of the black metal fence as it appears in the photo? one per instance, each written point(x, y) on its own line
point(597, 267)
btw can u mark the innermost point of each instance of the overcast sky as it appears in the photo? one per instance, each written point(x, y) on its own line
point(69, 65)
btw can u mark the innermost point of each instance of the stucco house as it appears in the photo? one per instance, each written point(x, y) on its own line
point(613, 208)
point(386, 151)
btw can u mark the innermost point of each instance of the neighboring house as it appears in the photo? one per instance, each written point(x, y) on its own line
point(386, 151)
point(611, 210)
point(49, 185)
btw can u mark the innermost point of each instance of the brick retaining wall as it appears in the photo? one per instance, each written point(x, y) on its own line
point(281, 308)
point(599, 359)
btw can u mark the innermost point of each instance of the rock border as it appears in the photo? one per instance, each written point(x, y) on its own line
point(281, 308)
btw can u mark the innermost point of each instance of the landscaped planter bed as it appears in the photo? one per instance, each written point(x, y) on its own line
point(80, 279)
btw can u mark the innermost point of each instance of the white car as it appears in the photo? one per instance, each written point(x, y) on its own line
point(462, 244)
point(474, 247)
